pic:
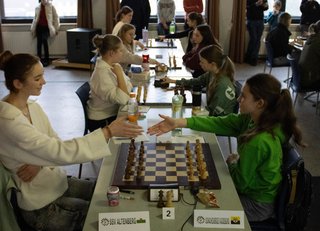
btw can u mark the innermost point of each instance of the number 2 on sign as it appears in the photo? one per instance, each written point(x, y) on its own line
point(168, 213)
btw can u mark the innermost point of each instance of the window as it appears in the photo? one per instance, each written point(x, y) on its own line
point(26, 9)
point(179, 7)
point(292, 7)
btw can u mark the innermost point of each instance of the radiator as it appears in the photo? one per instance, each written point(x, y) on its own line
point(23, 42)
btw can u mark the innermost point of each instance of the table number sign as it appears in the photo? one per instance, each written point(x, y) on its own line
point(124, 221)
point(219, 219)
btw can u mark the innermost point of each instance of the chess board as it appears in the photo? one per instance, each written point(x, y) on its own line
point(164, 163)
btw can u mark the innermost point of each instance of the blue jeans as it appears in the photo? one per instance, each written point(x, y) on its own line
point(255, 29)
point(68, 212)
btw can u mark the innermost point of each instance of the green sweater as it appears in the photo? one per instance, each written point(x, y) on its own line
point(257, 174)
point(220, 102)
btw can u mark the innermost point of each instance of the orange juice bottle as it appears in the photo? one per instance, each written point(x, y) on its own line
point(133, 108)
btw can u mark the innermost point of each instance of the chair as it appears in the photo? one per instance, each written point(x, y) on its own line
point(287, 194)
point(296, 82)
point(83, 94)
point(270, 61)
point(238, 87)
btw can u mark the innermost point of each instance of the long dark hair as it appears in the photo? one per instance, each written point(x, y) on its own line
point(278, 110)
point(208, 37)
point(16, 66)
point(194, 16)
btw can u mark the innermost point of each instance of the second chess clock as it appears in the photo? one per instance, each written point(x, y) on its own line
point(155, 188)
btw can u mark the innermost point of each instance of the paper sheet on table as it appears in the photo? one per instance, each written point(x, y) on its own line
point(180, 139)
point(119, 140)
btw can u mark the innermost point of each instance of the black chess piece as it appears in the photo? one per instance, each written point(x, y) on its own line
point(161, 203)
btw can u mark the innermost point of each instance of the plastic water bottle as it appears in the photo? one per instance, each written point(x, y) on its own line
point(177, 101)
point(133, 108)
point(145, 35)
point(172, 27)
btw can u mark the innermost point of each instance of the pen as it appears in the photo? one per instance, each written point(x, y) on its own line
point(126, 191)
point(126, 197)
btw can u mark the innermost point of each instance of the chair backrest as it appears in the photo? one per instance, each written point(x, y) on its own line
point(238, 87)
point(83, 94)
point(294, 197)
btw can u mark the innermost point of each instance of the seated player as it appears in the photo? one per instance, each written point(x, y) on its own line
point(265, 123)
point(109, 86)
point(202, 36)
point(127, 34)
point(47, 199)
point(218, 79)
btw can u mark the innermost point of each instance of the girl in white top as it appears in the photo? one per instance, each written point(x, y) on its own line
point(127, 34)
point(31, 150)
point(109, 86)
point(124, 15)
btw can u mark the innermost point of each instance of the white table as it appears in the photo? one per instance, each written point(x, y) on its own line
point(227, 197)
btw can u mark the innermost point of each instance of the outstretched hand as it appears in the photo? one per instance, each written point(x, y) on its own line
point(166, 125)
point(122, 128)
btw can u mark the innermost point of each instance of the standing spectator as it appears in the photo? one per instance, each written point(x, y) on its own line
point(166, 11)
point(255, 26)
point(45, 23)
point(310, 58)
point(191, 6)
point(279, 40)
point(310, 13)
point(272, 18)
point(141, 14)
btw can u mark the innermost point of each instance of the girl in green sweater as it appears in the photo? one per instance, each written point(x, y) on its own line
point(218, 79)
point(265, 123)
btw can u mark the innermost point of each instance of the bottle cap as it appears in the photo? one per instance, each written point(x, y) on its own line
point(132, 94)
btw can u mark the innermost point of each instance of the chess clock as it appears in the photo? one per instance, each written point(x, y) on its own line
point(153, 191)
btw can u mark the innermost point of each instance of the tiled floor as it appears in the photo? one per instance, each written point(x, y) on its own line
point(59, 100)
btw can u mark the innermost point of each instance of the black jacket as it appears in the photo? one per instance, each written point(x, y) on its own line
point(255, 12)
point(279, 40)
point(310, 12)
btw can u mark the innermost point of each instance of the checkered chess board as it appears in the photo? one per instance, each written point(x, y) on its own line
point(163, 163)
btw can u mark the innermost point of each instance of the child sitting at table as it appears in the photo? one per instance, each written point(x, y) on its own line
point(109, 86)
point(202, 36)
point(266, 122)
point(127, 35)
point(32, 151)
point(218, 79)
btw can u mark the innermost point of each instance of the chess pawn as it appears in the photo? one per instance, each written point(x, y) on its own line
point(160, 201)
point(169, 196)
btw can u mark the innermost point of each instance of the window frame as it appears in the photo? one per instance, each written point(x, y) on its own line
point(28, 20)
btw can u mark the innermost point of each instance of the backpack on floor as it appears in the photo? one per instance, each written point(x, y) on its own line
point(296, 191)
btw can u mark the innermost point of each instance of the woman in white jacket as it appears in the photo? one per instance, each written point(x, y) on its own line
point(31, 150)
point(45, 23)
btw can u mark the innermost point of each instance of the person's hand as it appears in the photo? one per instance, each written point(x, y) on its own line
point(232, 159)
point(122, 128)
point(161, 37)
point(167, 80)
point(166, 125)
point(27, 172)
point(117, 69)
point(153, 61)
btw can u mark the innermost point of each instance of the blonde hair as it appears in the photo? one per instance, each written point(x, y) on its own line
point(105, 43)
